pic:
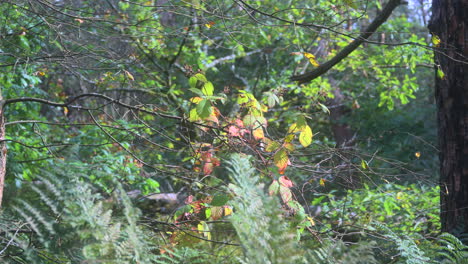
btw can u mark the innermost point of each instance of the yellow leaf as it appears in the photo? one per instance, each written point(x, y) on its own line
point(417, 154)
point(65, 110)
point(305, 137)
point(311, 220)
point(311, 58)
point(289, 138)
point(399, 195)
point(364, 165)
point(227, 210)
point(436, 40)
point(322, 182)
point(129, 75)
point(210, 24)
point(196, 99)
point(258, 133)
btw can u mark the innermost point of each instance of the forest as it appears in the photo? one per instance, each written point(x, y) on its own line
point(233, 131)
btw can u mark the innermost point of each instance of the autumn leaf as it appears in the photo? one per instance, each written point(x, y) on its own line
point(311, 58)
point(196, 99)
point(129, 75)
point(227, 210)
point(281, 160)
point(258, 133)
point(271, 145)
point(285, 181)
point(322, 182)
point(217, 212)
point(305, 137)
point(210, 24)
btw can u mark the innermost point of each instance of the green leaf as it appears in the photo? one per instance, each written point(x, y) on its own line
point(364, 165)
point(254, 121)
point(207, 213)
point(196, 91)
point(324, 108)
point(193, 115)
point(208, 89)
point(204, 109)
point(305, 137)
point(197, 80)
point(219, 200)
point(272, 146)
point(301, 123)
point(273, 188)
point(440, 73)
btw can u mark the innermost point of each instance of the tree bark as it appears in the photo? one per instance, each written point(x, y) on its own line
point(449, 22)
point(3, 149)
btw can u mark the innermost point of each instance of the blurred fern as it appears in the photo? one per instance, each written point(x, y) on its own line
point(62, 218)
point(263, 234)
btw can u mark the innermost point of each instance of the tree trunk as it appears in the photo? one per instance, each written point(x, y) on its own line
point(3, 150)
point(449, 22)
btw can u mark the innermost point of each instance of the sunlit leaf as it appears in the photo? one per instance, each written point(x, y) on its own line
point(311, 58)
point(258, 133)
point(435, 40)
point(305, 137)
point(210, 24)
point(208, 89)
point(364, 165)
point(193, 115)
point(417, 154)
point(227, 210)
point(322, 182)
point(196, 99)
point(440, 73)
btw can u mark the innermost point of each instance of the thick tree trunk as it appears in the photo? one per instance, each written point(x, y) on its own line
point(450, 23)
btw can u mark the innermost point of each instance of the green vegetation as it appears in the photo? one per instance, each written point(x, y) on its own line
point(173, 132)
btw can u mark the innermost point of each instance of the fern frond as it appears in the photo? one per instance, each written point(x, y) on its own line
point(263, 233)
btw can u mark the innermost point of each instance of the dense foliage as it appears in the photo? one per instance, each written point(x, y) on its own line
point(170, 132)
